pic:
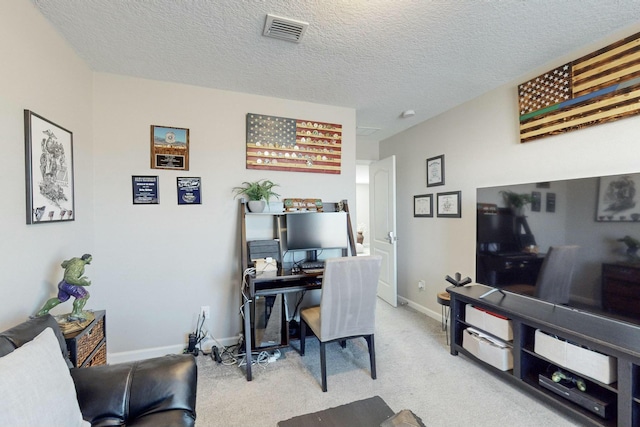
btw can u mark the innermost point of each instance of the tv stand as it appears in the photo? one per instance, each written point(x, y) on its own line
point(607, 336)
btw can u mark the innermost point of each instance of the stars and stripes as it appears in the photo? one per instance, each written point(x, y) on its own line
point(284, 144)
point(597, 88)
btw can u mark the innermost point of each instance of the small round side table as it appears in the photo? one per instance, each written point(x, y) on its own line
point(444, 300)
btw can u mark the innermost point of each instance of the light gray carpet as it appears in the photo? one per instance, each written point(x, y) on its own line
point(415, 371)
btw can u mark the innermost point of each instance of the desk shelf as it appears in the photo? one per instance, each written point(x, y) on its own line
point(263, 295)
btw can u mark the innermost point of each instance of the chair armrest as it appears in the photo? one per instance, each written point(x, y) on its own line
point(129, 393)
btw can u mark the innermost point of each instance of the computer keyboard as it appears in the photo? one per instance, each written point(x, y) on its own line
point(308, 265)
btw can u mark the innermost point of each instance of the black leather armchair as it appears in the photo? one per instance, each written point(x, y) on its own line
point(152, 392)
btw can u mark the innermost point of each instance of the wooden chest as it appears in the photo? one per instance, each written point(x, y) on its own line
point(88, 347)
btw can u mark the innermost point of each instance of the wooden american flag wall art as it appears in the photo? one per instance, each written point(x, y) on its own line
point(294, 145)
point(600, 87)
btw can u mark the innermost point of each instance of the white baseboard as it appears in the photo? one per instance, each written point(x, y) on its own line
point(424, 310)
point(146, 353)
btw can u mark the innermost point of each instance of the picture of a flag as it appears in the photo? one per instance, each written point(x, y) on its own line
point(600, 87)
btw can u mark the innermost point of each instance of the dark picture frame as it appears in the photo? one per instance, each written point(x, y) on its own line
point(49, 174)
point(449, 204)
point(423, 206)
point(618, 198)
point(145, 189)
point(551, 202)
point(536, 201)
point(435, 171)
point(189, 190)
point(169, 148)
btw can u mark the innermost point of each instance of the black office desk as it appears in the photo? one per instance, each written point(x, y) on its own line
point(278, 282)
point(499, 270)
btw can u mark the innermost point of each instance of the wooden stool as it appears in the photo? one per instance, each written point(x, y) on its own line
point(444, 299)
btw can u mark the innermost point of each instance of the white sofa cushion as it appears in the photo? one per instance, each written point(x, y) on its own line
point(37, 389)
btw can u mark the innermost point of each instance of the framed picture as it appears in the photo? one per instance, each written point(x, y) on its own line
point(551, 202)
point(618, 198)
point(145, 190)
point(49, 170)
point(449, 204)
point(435, 171)
point(423, 205)
point(189, 191)
point(536, 201)
point(169, 148)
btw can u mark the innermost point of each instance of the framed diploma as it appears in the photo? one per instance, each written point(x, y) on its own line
point(423, 205)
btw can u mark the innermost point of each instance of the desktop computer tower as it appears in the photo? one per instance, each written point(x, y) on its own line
point(268, 323)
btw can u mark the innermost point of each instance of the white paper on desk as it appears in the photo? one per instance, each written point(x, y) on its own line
point(264, 265)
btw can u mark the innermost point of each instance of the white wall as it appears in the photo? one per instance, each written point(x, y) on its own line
point(481, 146)
point(41, 73)
point(153, 266)
point(157, 264)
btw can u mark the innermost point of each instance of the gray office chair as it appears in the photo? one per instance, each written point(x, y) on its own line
point(347, 306)
point(554, 280)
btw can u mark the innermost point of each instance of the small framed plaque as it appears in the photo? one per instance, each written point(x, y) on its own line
point(169, 148)
point(189, 191)
point(145, 190)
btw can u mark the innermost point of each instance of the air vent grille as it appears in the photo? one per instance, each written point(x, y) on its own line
point(284, 28)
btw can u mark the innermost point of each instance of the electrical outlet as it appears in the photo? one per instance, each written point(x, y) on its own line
point(421, 285)
point(205, 311)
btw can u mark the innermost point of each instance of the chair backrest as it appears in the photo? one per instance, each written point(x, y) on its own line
point(348, 302)
point(554, 280)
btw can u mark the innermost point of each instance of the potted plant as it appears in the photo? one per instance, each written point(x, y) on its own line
point(516, 201)
point(258, 193)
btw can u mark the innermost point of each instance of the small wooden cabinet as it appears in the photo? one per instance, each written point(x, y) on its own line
point(88, 347)
point(621, 289)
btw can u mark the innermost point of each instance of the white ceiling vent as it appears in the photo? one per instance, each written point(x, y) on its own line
point(363, 131)
point(284, 28)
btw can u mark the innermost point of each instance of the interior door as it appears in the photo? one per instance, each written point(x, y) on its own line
point(382, 217)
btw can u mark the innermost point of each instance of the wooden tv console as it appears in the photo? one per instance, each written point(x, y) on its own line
point(607, 336)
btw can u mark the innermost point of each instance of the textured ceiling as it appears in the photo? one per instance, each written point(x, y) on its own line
point(380, 57)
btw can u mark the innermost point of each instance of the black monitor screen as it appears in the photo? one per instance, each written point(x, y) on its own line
point(314, 230)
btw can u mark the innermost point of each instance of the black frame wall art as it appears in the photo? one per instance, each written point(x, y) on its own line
point(618, 198)
point(189, 190)
point(423, 206)
point(449, 204)
point(145, 190)
point(48, 171)
point(435, 171)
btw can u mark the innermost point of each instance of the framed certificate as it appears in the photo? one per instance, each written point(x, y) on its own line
point(423, 205)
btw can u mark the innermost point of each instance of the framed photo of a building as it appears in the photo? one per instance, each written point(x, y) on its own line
point(49, 170)
point(169, 148)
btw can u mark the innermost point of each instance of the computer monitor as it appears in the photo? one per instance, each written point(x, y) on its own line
point(315, 230)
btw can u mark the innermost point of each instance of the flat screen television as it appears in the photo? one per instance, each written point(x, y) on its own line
point(312, 231)
point(594, 213)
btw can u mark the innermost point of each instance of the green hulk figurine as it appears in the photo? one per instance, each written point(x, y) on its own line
point(72, 284)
